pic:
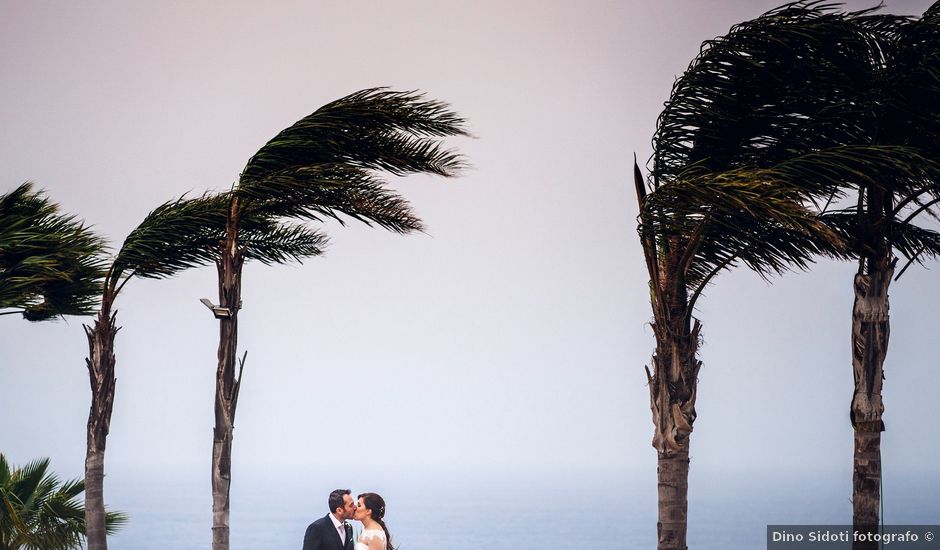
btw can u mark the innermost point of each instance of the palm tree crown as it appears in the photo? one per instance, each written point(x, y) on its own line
point(38, 512)
point(49, 262)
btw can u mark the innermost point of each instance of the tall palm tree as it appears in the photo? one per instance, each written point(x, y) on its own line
point(324, 165)
point(38, 512)
point(899, 106)
point(175, 236)
point(49, 262)
point(755, 132)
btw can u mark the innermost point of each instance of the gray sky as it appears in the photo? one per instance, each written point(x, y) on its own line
point(512, 338)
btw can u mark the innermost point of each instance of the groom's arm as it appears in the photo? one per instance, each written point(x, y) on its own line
point(311, 539)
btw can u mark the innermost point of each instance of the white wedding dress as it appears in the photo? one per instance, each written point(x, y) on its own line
point(371, 539)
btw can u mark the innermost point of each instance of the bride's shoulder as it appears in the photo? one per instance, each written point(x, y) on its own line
point(373, 533)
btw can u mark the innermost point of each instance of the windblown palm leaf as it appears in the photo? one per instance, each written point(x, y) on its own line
point(791, 90)
point(376, 129)
point(282, 243)
point(763, 217)
point(764, 91)
point(49, 262)
point(327, 163)
point(323, 191)
point(175, 236)
point(188, 232)
point(903, 98)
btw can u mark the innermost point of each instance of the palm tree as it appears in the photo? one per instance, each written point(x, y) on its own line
point(175, 236)
point(899, 106)
point(324, 165)
point(38, 512)
point(758, 129)
point(757, 217)
point(49, 263)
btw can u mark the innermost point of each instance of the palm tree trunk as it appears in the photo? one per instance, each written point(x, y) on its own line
point(227, 386)
point(672, 400)
point(100, 364)
point(870, 330)
point(674, 380)
point(673, 477)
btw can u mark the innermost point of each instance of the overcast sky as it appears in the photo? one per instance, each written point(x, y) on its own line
point(510, 338)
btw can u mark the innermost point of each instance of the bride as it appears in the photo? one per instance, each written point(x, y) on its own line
point(374, 534)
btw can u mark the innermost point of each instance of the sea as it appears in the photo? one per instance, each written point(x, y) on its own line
point(500, 512)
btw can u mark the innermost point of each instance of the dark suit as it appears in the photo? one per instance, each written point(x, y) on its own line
point(322, 535)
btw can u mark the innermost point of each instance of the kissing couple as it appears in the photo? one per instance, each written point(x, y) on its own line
point(332, 532)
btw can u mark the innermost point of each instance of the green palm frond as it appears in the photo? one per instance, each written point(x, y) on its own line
point(904, 98)
point(772, 87)
point(913, 242)
point(904, 90)
point(175, 236)
point(375, 128)
point(788, 114)
point(323, 191)
point(39, 512)
point(188, 232)
point(28, 481)
point(324, 164)
point(282, 243)
point(50, 263)
point(763, 216)
point(831, 173)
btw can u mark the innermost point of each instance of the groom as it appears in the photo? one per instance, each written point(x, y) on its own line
point(331, 532)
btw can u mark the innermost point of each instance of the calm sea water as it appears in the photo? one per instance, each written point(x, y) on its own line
point(726, 512)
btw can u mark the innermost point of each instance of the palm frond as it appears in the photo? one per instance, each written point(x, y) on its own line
point(375, 128)
point(27, 480)
point(320, 167)
point(324, 191)
point(774, 86)
point(799, 107)
point(176, 235)
point(50, 264)
point(932, 14)
point(39, 512)
point(334, 150)
point(282, 243)
point(910, 240)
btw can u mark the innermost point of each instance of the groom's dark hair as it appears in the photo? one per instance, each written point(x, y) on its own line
point(336, 498)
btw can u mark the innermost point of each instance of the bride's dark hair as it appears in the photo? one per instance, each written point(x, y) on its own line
point(376, 503)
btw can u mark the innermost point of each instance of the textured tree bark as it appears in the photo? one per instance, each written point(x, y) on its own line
point(227, 385)
point(100, 363)
point(674, 379)
point(673, 476)
point(870, 331)
point(672, 401)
